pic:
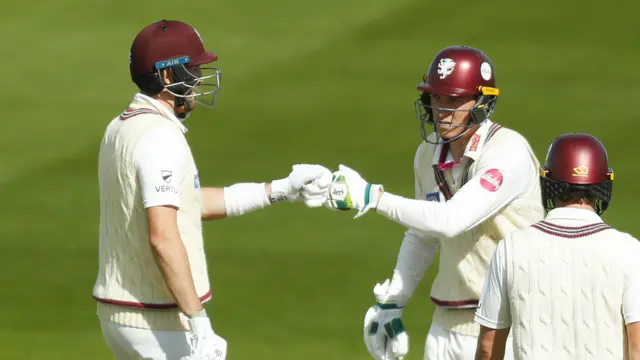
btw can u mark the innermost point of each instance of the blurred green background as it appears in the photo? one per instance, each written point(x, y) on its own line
point(315, 82)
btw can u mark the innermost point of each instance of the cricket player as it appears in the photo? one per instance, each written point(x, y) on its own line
point(569, 285)
point(152, 279)
point(475, 181)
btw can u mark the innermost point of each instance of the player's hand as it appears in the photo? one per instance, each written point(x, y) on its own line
point(288, 189)
point(384, 333)
point(350, 191)
point(205, 344)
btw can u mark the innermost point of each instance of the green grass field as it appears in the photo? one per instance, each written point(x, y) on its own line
point(317, 82)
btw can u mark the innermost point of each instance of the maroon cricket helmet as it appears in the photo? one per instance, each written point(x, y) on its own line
point(576, 165)
point(459, 71)
point(175, 46)
point(164, 41)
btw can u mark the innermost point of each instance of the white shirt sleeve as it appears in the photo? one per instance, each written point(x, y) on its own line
point(416, 252)
point(631, 294)
point(501, 177)
point(160, 157)
point(494, 309)
point(415, 257)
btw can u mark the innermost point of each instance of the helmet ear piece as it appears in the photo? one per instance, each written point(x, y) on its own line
point(478, 115)
point(483, 108)
point(150, 84)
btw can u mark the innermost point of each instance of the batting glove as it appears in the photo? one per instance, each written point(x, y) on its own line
point(205, 344)
point(288, 189)
point(384, 333)
point(316, 193)
point(350, 191)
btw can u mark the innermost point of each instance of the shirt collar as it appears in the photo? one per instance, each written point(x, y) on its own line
point(146, 101)
point(573, 213)
point(474, 146)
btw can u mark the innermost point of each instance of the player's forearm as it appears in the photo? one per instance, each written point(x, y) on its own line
point(485, 353)
point(633, 340)
point(490, 348)
point(424, 216)
point(491, 344)
point(234, 200)
point(212, 203)
point(171, 258)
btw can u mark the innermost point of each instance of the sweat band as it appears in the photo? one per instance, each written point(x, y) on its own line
point(245, 197)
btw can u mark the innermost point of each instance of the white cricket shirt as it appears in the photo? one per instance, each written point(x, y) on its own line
point(160, 158)
point(145, 161)
point(505, 174)
point(566, 286)
point(463, 210)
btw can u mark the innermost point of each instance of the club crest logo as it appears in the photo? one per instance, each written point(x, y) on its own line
point(446, 67)
point(581, 171)
point(166, 175)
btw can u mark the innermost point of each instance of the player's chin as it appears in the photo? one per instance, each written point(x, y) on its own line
point(448, 132)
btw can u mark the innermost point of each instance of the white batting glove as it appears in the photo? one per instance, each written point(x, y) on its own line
point(288, 189)
point(384, 333)
point(350, 191)
point(205, 344)
point(316, 193)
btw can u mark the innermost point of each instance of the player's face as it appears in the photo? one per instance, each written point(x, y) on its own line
point(451, 114)
point(195, 71)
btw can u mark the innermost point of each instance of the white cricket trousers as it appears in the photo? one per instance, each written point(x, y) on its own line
point(129, 343)
point(443, 344)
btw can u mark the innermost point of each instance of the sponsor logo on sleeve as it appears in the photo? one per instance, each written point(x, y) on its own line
point(491, 180)
point(196, 181)
point(475, 141)
point(433, 196)
point(166, 189)
point(167, 176)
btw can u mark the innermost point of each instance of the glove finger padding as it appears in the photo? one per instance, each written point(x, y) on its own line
point(400, 345)
point(205, 344)
point(371, 333)
point(315, 201)
point(391, 301)
point(313, 190)
point(324, 181)
point(303, 174)
point(397, 339)
point(220, 348)
point(314, 196)
point(349, 171)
